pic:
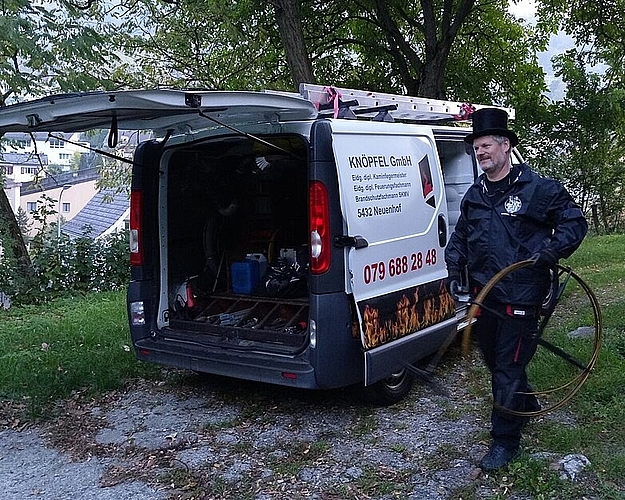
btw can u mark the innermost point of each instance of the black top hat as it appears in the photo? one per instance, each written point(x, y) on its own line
point(491, 121)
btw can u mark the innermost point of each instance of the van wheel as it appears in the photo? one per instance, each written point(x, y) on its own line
point(388, 391)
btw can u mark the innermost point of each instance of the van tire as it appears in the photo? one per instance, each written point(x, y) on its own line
point(388, 391)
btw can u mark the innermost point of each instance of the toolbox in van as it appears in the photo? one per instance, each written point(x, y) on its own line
point(344, 198)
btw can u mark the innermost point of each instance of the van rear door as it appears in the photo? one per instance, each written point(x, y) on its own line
point(158, 110)
point(393, 203)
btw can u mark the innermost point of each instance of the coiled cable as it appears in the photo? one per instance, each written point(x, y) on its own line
point(576, 383)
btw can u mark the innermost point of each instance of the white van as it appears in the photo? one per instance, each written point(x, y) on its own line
point(275, 239)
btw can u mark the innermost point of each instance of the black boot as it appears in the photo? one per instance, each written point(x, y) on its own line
point(497, 457)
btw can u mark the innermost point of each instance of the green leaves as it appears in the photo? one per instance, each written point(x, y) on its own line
point(61, 265)
point(201, 44)
point(581, 141)
point(51, 49)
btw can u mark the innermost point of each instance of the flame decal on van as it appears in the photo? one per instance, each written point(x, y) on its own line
point(398, 314)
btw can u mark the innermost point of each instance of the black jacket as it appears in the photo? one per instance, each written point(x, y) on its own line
point(529, 215)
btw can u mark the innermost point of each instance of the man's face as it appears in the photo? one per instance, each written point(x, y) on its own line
point(492, 156)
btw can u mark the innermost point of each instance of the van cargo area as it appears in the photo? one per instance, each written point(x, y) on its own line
point(234, 231)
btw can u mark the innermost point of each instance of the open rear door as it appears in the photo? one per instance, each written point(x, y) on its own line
point(393, 202)
point(175, 111)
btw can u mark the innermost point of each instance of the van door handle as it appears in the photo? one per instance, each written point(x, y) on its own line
point(350, 241)
point(442, 231)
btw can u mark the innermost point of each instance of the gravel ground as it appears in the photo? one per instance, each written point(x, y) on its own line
point(193, 437)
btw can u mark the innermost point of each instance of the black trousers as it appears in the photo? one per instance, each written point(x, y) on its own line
point(507, 338)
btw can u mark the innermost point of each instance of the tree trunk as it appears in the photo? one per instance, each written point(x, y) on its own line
point(292, 35)
point(595, 218)
point(15, 241)
point(423, 72)
point(432, 79)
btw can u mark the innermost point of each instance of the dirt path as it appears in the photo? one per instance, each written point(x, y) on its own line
point(193, 437)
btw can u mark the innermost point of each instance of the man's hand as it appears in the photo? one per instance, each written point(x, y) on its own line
point(544, 258)
point(454, 286)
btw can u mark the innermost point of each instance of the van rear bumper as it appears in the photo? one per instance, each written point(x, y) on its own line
point(392, 357)
point(260, 367)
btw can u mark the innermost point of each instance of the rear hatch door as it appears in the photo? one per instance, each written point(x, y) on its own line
point(176, 111)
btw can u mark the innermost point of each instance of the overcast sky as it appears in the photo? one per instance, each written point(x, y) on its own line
point(524, 9)
point(559, 43)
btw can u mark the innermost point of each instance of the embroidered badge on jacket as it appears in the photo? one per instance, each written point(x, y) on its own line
point(512, 204)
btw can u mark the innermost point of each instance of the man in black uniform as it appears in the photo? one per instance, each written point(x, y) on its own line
point(509, 214)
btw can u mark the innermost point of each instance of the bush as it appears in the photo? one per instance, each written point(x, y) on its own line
point(64, 266)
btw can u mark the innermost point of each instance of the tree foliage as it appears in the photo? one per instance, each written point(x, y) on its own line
point(63, 266)
point(465, 49)
point(52, 47)
point(217, 44)
point(581, 139)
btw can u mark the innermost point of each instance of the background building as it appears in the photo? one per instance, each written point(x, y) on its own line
point(61, 171)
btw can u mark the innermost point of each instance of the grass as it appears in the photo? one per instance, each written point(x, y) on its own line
point(300, 455)
point(599, 407)
point(72, 344)
point(374, 482)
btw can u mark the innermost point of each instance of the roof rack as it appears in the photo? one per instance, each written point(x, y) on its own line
point(399, 107)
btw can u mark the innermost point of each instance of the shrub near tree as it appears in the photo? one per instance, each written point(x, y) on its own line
point(64, 266)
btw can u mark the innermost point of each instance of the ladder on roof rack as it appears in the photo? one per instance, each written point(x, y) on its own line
point(407, 107)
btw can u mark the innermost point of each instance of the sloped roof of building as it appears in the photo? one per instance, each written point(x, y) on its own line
point(37, 136)
point(102, 211)
point(58, 180)
point(24, 159)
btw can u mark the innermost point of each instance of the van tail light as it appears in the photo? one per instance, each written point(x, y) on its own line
point(136, 237)
point(319, 225)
